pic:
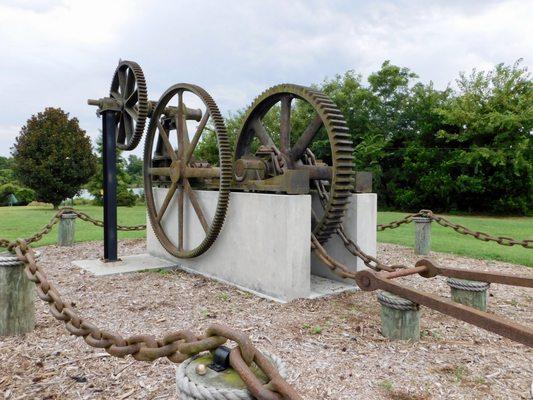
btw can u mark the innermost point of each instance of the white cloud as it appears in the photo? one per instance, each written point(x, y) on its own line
point(59, 53)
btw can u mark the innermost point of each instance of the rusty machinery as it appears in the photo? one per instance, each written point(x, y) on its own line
point(265, 160)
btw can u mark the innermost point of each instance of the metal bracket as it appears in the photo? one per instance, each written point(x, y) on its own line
point(220, 359)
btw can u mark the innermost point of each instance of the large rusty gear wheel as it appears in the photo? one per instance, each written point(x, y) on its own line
point(178, 163)
point(328, 116)
point(128, 88)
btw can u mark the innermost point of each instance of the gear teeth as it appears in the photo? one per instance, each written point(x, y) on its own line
point(341, 145)
point(225, 176)
point(142, 103)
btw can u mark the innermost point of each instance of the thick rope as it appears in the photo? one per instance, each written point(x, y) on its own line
point(11, 260)
point(396, 302)
point(470, 286)
point(188, 390)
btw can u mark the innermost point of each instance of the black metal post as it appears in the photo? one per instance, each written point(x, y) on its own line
point(110, 185)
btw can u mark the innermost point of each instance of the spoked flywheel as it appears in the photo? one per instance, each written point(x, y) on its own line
point(171, 170)
point(292, 142)
point(128, 89)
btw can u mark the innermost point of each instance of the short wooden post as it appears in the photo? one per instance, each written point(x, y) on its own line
point(67, 227)
point(470, 293)
point(422, 235)
point(400, 318)
point(17, 307)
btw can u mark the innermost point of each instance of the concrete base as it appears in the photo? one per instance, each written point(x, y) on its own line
point(360, 225)
point(133, 263)
point(264, 246)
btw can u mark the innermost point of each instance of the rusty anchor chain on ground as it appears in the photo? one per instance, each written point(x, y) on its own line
point(369, 280)
point(176, 346)
point(502, 240)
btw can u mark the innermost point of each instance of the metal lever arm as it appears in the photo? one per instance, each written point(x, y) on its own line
point(370, 280)
point(432, 270)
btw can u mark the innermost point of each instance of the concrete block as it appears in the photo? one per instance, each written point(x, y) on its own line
point(264, 245)
point(360, 225)
point(133, 263)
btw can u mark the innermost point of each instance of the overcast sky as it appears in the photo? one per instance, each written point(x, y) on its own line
point(59, 53)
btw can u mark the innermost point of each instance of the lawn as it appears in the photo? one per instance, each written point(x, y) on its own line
point(24, 221)
point(21, 222)
point(446, 240)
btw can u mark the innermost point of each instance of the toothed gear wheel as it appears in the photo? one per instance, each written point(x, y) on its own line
point(158, 158)
point(128, 87)
point(327, 116)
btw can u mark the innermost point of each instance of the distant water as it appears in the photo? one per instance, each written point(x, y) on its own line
point(84, 193)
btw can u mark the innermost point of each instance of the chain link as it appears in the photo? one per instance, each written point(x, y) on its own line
point(370, 261)
point(6, 243)
point(175, 346)
point(463, 230)
point(485, 237)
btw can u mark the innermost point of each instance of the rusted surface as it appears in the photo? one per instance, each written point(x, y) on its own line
point(368, 280)
point(176, 346)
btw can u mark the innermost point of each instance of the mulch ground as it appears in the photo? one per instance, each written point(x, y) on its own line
point(332, 346)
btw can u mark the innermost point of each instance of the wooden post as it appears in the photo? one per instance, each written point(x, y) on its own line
point(422, 235)
point(400, 318)
point(67, 228)
point(469, 293)
point(17, 307)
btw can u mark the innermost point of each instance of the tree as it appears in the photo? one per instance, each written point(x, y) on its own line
point(96, 184)
point(53, 156)
point(134, 168)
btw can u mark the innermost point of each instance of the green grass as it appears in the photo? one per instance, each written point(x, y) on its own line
point(21, 222)
point(446, 240)
point(17, 222)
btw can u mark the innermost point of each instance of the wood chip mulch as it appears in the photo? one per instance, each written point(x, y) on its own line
point(332, 346)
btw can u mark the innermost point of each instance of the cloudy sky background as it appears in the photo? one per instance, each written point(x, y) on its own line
point(59, 53)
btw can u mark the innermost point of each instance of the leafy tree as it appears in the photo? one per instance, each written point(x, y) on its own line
point(96, 184)
point(467, 149)
point(134, 168)
point(52, 155)
point(23, 195)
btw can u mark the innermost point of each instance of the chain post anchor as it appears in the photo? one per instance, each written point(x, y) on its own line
point(469, 293)
point(400, 317)
point(422, 235)
point(67, 228)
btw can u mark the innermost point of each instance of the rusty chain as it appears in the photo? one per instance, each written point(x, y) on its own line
point(175, 346)
point(485, 237)
point(395, 224)
point(6, 243)
point(503, 240)
point(370, 261)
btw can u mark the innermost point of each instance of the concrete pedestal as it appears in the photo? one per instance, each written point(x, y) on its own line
point(359, 224)
point(264, 245)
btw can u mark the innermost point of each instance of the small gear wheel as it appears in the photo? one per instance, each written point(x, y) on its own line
point(128, 88)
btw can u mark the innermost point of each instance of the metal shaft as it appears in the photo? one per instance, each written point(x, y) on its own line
point(110, 185)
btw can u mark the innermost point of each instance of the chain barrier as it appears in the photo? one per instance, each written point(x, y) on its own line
point(463, 230)
point(6, 243)
point(370, 261)
point(485, 237)
point(176, 346)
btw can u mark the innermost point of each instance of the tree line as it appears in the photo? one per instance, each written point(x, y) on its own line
point(465, 148)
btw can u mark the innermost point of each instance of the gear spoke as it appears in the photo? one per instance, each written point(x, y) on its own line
point(262, 134)
point(166, 202)
point(196, 137)
point(307, 137)
point(285, 124)
point(196, 205)
point(163, 135)
point(132, 99)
